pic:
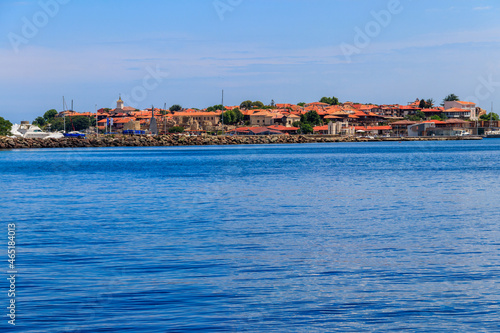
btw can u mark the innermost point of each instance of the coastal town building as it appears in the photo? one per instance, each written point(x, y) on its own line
point(262, 118)
point(458, 113)
point(345, 119)
point(420, 129)
point(460, 109)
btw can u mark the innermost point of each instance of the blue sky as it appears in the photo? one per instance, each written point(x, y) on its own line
point(287, 50)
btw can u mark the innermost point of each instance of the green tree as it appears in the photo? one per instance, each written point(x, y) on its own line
point(79, 123)
point(5, 127)
point(258, 105)
point(175, 108)
point(422, 104)
point(50, 114)
point(443, 116)
point(489, 117)
point(429, 103)
point(435, 117)
point(417, 117)
point(176, 129)
point(311, 117)
point(306, 128)
point(301, 104)
point(451, 98)
point(246, 105)
point(238, 115)
point(232, 117)
point(57, 124)
point(330, 100)
point(215, 108)
point(40, 121)
point(228, 117)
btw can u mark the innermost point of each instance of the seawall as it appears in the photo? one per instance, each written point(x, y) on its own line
point(181, 140)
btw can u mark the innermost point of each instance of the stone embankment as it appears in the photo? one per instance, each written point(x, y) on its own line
point(181, 140)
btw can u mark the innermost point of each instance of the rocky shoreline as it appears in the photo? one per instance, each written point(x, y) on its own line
point(181, 140)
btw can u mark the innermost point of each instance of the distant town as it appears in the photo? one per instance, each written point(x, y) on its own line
point(325, 117)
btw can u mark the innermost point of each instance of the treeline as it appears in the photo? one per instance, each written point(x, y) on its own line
point(50, 121)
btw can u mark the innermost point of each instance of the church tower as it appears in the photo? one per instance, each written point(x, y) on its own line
point(119, 103)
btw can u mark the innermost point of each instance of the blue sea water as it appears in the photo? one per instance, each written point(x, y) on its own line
point(357, 237)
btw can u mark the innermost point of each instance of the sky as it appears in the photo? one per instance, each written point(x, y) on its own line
point(186, 52)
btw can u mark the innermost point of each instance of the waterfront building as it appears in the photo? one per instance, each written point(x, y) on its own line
point(262, 118)
point(459, 113)
point(401, 127)
point(420, 129)
point(460, 109)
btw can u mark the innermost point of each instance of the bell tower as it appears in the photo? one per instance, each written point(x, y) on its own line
point(119, 103)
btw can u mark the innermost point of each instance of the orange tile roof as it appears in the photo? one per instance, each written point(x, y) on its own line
point(404, 122)
point(317, 104)
point(373, 128)
point(263, 113)
point(123, 120)
point(320, 128)
point(283, 128)
point(437, 122)
point(197, 114)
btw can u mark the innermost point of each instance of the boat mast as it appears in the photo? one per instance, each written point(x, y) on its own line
point(96, 123)
point(491, 114)
point(222, 112)
point(64, 116)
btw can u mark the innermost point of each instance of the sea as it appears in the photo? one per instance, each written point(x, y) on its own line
point(340, 237)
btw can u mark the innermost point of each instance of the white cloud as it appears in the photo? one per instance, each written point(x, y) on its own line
point(483, 8)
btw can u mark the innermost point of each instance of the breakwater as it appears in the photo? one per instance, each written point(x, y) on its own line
point(182, 140)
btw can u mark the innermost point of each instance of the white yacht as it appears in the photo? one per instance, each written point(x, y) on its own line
point(28, 131)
